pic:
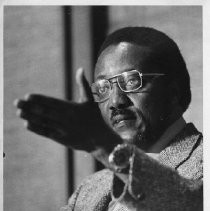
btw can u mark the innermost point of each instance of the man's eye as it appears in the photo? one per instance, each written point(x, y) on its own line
point(132, 82)
point(102, 90)
point(103, 86)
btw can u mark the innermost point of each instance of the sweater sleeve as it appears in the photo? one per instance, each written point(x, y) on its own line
point(72, 201)
point(151, 185)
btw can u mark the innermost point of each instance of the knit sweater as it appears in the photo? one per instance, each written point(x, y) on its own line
point(173, 183)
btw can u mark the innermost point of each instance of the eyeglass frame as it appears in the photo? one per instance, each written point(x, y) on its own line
point(117, 81)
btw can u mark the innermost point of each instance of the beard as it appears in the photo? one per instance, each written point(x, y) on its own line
point(145, 136)
point(142, 140)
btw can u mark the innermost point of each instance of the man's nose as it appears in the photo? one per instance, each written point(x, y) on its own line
point(118, 99)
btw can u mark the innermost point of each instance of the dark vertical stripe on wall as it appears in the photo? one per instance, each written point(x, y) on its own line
point(99, 24)
point(68, 87)
point(99, 19)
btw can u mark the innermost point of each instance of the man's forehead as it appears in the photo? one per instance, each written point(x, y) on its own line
point(119, 58)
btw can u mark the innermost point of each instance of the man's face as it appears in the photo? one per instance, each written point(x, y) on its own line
point(138, 117)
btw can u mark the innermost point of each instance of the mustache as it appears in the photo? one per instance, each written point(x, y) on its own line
point(126, 112)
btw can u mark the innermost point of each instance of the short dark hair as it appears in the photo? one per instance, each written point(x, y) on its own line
point(164, 53)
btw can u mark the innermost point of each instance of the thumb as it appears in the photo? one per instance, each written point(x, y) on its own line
point(85, 93)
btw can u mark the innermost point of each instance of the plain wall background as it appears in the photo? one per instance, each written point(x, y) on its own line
point(35, 168)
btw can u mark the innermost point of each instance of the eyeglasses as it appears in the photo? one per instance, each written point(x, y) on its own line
point(129, 81)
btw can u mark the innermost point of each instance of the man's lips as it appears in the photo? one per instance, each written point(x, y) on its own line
point(122, 118)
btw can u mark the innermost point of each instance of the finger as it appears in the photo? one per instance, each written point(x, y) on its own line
point(84, 87)
point(39, 120)
point(47, 131)
point(27, 106)
point(71, 140)
point(19, 103)
point(70, 127)
point(29, 111)
point(60, 112)
point(52, 102)
point(44, 121)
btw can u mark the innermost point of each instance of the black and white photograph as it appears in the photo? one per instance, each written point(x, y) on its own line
point(103, 107)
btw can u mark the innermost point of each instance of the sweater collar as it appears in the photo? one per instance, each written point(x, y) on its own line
point(180, 147)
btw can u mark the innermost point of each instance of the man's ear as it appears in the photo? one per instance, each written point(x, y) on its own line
point(174, 93)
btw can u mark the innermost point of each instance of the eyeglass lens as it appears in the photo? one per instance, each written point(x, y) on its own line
point(127, 81)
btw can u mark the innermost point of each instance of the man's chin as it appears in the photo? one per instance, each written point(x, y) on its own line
point(129, 136)
point(130, 131)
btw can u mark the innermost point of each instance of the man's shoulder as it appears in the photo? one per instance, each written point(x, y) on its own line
point(185, 152)
point(93, 192)
point(99, 183)
point(193, 165)
point(104, 176)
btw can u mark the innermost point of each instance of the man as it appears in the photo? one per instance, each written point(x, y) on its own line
point(131, 121)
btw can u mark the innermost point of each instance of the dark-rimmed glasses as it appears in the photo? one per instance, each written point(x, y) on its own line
point(129, 81)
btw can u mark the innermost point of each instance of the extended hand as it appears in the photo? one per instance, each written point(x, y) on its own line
point(76, 125)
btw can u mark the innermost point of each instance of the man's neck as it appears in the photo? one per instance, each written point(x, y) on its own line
point(168, 135)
